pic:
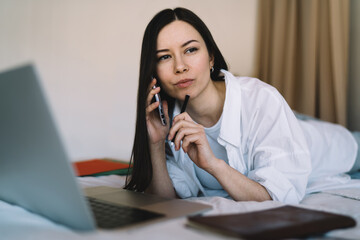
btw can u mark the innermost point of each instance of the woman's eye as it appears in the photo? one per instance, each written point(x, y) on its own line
point(190, 50)
point(163, 57)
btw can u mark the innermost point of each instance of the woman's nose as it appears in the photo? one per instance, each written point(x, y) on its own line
point(180, 65)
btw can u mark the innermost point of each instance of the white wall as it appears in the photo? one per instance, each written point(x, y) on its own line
point(87, 53)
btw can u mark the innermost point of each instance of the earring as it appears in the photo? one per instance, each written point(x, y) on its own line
point(212, 70)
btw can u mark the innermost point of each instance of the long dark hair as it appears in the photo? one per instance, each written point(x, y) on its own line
point(141, 173)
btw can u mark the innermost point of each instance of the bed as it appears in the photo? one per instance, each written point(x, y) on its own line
point(16, 223)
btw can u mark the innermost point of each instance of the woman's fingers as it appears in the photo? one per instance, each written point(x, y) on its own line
point(182, 116)
point(189, 139)
point(166, 112)
point(176, 127)
point(178, 122)
point(152, 92)
point(151, 107)
point(152, 83)
point(185, 132)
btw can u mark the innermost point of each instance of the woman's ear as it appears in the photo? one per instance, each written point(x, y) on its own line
point(212, 60)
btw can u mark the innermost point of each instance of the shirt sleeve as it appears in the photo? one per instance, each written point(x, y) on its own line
point(278, 150)
point(180, 175)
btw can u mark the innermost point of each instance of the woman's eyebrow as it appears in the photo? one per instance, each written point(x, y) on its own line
point(183, 45)
point(188, 42)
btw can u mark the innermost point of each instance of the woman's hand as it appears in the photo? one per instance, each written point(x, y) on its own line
point(160, 182)
point(157, 132)
point(194, 141)
point(196, 145)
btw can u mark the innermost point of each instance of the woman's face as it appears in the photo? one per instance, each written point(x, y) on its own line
point(183, 61)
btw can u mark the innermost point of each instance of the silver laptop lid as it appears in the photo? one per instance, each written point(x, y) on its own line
point(35, 171)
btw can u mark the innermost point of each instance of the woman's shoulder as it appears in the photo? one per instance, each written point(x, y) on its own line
point(251, 86)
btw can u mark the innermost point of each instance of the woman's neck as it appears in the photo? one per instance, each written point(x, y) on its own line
point(206, 109)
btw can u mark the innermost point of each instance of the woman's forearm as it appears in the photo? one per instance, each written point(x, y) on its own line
point(239, 187)
point(160, 183)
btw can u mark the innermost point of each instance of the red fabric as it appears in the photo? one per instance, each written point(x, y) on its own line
point(93, 166)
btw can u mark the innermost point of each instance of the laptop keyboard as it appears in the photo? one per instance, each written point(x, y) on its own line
point(113, 216)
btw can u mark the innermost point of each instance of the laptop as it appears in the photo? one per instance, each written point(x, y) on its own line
point(36, 174)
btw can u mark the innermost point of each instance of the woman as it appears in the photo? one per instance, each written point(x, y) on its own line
point(238, 137)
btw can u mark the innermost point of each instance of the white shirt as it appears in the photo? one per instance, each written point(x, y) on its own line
point(263, 140)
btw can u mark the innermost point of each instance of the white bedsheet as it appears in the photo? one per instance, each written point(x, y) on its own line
point(16, 223)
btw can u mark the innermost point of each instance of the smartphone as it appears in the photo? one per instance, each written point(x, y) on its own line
point(160, 108)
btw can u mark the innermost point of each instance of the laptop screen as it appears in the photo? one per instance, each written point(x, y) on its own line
point(35, 171)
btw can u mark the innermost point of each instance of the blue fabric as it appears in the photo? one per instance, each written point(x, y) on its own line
point(355, 175)
point(355, 170)
point(304, 117)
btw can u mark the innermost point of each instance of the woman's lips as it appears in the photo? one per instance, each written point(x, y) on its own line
point(184, 83)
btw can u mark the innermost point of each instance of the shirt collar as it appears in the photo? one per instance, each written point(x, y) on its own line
point(230, 125)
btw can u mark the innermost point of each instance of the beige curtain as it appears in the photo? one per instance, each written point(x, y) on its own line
point(303, 52)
